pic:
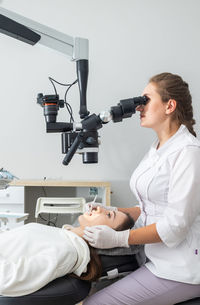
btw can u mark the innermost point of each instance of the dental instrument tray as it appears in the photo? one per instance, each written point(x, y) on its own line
point(73, 205)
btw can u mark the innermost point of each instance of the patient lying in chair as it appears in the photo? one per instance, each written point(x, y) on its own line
point(33, 255)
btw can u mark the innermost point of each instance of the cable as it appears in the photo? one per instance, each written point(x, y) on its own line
point(69, 109)
point(51, 80)
point(49, 221)
point(43, 218)
point(68, 106)
point(44, 191)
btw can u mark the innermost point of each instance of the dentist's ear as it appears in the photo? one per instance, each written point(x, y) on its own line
point(171, 106)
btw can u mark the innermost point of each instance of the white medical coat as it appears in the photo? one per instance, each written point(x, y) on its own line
point(167, 186)
point(33, 255)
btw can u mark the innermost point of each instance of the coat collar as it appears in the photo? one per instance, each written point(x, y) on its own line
point(180, 139)
point(155, 157)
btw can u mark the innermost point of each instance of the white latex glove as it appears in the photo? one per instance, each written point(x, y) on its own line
point(103, 237)
point(90, 205)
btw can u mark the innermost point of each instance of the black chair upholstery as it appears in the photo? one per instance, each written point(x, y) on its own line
point(195, 301)
point(124, 263)
point(65, 290)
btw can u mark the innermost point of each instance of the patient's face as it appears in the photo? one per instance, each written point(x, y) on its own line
point(102, 217)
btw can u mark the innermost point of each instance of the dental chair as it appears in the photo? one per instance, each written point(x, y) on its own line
point(62, 291)
point(67, 290)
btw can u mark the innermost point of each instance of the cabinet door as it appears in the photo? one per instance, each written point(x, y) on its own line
point(13, 195)
point(12, 200)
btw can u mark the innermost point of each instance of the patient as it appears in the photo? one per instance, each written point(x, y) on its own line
point(98, 216)
point(34, 254)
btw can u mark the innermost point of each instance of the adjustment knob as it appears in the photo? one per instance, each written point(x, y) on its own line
point(90, 141)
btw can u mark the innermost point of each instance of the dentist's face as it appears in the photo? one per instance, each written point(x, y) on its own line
point(153, 114)
point(101, 216)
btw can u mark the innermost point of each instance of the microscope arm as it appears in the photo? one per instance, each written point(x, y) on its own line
point(32, 32)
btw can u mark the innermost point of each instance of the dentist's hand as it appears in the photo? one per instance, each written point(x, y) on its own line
point(93, 205)
point(103, 237)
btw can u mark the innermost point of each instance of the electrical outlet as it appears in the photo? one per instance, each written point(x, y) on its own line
point(93, 191)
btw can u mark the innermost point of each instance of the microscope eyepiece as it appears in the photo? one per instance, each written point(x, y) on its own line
point(145, 98)
point(125, 108)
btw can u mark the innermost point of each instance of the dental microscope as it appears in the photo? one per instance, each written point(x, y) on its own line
point(77, 137)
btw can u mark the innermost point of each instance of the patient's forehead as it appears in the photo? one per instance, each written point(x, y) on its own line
point(116, 217)
point(119, 218)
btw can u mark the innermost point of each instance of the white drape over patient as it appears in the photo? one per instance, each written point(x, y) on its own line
point(33, 255)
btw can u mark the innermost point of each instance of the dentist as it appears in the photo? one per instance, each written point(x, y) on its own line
point(166, 185)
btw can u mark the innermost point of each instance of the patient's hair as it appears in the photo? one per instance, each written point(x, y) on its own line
point(94, 268)
point(128, 223)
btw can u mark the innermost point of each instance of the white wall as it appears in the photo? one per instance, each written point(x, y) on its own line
point(130, 40)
